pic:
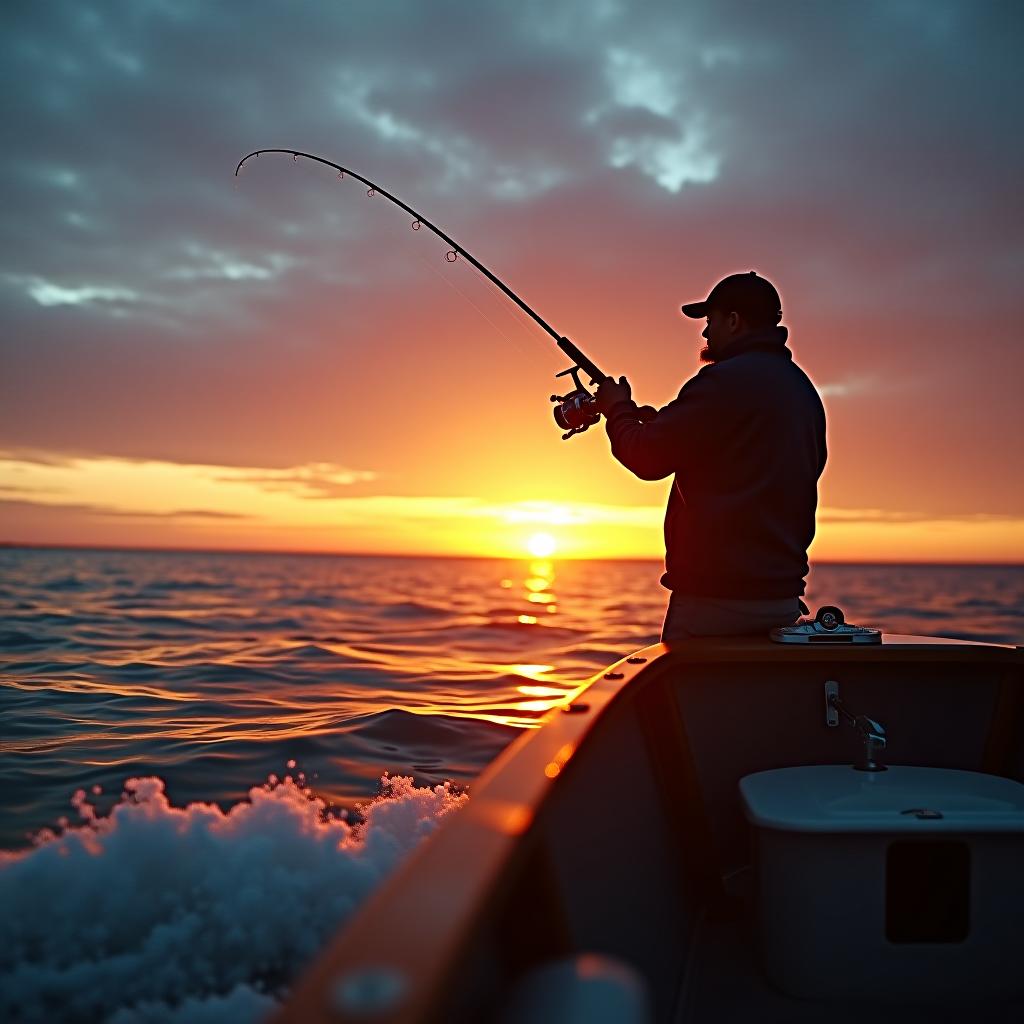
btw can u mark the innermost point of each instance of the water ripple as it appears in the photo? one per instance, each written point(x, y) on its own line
point(214, 670)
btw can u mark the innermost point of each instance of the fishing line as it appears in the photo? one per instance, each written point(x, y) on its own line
point(447, 278)
point(451, 284)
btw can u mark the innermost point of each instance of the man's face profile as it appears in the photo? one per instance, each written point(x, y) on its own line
point(721, 328)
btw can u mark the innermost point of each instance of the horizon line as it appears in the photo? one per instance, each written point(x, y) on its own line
point(20, 546)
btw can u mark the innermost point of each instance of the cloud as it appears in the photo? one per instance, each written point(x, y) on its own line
point(213, 265)
point(829, 515)
point(855, 385)
point(47, 293)
point(320, 479)
point(72, 508)
point(316, 480)
point(670, 96)
point(36, 456)
point(671, 144)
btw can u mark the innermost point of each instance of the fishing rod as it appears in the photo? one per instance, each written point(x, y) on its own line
point(573, 412)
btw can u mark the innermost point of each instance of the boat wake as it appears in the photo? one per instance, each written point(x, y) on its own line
point(156, 913)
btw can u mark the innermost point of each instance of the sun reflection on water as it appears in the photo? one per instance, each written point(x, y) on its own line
point(530, 672)
point(521, 679)
point(540, 691)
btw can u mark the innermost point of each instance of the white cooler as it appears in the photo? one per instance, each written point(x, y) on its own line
point(901, 884)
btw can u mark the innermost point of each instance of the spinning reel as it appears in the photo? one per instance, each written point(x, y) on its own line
point(575, 411)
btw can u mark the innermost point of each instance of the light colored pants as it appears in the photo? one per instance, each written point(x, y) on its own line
point(689, 616)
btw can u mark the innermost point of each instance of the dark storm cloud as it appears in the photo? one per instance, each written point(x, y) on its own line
point(869, 149)
point(129, 117)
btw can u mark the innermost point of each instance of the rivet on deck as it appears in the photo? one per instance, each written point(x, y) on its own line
point(614, 675)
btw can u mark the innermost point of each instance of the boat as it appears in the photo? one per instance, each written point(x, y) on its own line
point(730, 829)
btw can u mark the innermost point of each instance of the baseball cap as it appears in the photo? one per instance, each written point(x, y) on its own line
point(747, 294)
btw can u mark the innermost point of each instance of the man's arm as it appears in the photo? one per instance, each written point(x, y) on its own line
point(672, 441)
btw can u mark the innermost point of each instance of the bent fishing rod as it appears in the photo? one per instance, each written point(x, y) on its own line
point(573, 412)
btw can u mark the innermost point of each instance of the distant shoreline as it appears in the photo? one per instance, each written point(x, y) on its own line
point(17, 546)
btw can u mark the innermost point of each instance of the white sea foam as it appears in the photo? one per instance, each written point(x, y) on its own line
point(159, 914)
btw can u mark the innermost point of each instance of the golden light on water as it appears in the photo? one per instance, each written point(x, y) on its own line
point(531, 671)
point(535, 705)
point(532, 692)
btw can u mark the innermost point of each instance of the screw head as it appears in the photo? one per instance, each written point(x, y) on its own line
point(923, 813)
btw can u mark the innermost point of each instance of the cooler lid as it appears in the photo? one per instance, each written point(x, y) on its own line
point(838, 798)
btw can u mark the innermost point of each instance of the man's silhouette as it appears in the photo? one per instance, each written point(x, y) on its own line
point(745, 439)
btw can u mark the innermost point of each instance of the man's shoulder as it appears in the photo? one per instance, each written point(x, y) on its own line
point(702, 384)
point(757, 362)
point(703, 375)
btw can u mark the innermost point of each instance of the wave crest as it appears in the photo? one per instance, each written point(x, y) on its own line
point(162, 913)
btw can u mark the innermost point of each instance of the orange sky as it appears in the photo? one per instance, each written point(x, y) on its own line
point(279, 362)
point(165, 504)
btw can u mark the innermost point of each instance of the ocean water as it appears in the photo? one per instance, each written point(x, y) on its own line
point(208, 760)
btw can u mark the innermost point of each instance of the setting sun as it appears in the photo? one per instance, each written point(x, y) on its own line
point(541, 545)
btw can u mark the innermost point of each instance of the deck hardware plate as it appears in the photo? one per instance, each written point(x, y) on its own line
point(831, 715)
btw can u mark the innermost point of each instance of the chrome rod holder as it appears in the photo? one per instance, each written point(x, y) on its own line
point(872, 733)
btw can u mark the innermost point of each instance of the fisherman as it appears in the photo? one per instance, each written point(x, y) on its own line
point(745, 439)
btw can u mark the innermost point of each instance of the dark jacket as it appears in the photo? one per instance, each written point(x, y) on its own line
point(746, 442)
